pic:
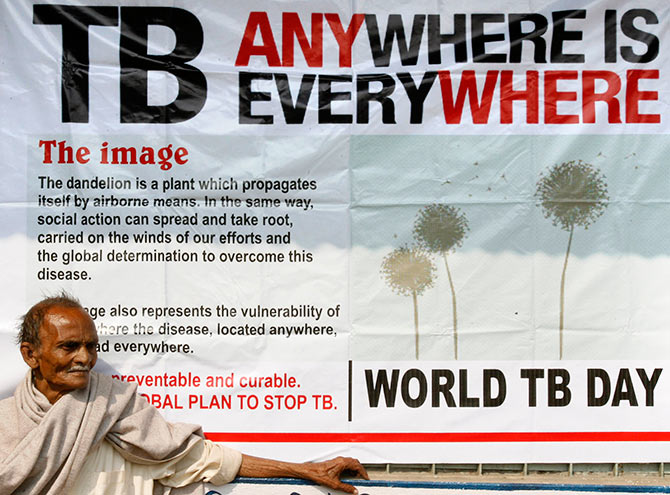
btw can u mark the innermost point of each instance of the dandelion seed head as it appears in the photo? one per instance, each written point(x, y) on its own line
point(572, 194)
point(407, 270)
point(440, 228)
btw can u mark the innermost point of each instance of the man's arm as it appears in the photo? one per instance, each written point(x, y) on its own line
point(326, 473)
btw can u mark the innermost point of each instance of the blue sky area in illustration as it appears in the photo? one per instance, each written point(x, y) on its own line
point(493, 179)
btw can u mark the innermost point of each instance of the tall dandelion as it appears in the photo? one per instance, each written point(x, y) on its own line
point(441, 229)
point(409, 271)
point(573, 194)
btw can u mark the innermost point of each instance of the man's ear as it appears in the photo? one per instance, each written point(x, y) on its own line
point(28, 353)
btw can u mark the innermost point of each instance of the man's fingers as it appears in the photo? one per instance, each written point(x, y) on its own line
point(328, 473)
point(353, 466)
point(356, 467)
point(332, 480)
point(345, 487)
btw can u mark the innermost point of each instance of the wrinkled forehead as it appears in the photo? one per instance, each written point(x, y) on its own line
point(62, 323)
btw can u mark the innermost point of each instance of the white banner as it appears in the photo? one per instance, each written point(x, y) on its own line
point(406, 232)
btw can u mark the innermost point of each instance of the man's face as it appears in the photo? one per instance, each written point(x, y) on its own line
point(66, 353)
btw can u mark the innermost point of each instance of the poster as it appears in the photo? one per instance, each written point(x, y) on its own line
point(408, 233)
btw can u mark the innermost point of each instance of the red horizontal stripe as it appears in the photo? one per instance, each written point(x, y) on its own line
point(577, 436)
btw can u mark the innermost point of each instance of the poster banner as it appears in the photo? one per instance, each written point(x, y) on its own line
point(409, 232)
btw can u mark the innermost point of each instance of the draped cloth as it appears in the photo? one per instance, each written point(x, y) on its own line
point(43, 446)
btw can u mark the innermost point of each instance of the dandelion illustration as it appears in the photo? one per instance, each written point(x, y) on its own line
point(573, 194)
point(440, 229)
point(409, 271)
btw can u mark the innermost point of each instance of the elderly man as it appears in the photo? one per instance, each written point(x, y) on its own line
point(69, 431)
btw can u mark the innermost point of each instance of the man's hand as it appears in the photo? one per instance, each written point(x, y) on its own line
point(326, 473)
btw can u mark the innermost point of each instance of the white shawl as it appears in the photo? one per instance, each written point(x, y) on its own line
point(43, 446)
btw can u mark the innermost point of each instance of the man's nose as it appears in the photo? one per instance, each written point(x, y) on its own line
point(84, 356)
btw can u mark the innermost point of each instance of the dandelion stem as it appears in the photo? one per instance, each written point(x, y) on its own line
point(416, 324)
point(453, 305)
point(562, 306)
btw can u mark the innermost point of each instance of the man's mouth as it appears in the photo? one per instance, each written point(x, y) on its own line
point(79, 369)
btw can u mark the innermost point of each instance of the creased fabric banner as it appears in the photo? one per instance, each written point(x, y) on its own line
point(405, 231)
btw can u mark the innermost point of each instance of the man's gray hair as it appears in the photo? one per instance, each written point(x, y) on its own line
point(29, 328)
